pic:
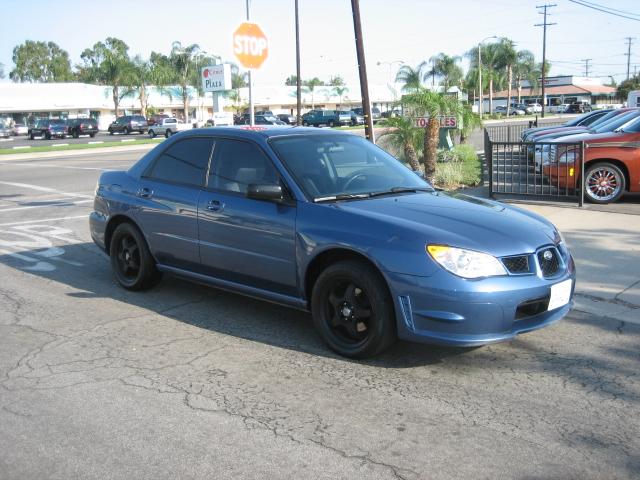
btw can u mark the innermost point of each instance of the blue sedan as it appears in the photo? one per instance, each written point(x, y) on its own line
point(327, 222)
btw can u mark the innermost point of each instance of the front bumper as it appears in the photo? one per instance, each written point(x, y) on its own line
point(448, 310)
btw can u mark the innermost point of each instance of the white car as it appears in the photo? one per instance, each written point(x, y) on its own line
point(167, 127)
point(535, 107)
point(512, 111)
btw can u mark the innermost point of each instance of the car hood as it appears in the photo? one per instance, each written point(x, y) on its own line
point(459, 220)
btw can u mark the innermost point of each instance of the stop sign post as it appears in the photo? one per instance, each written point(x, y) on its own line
point(251, 48)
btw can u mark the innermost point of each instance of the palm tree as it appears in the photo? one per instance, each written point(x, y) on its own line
point(311, 86)
point(403, 135)
point(433, 105)
point(469, 120)
point(336, 81)
point(447, 70)
point(340, 91)
point(525, 69)
point(182, 60)
point(506, 58)
point(411, 77)
point(490, 67)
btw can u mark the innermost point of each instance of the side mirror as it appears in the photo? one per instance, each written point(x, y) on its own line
point(268, 192)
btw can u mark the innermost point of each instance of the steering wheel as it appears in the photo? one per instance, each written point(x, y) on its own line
point(352, 179)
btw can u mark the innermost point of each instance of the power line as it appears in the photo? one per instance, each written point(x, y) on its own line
point(604, 9)
point(544, 24)
point(586, 65)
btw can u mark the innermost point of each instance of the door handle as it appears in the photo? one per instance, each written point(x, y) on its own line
point(215, 205)
point(144, 192)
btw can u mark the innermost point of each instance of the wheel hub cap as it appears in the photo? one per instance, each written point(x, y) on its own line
point(346, 311)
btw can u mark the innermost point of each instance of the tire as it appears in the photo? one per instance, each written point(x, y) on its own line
point(76, 134)
point(31, 136)
point(168, 133)
point(47, 136)
point(305, 124)
point(152, 134)
point(131, 262)
point(332, 124)
point(110, 132)
point(126, 131)
point(604, 183)
point(92, 135)
point(340, 292)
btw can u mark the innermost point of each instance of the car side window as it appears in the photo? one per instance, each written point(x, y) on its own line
point(238, 164)
point(184, 162)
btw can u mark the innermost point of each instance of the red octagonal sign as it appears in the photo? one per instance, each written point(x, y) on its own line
point(250, 45)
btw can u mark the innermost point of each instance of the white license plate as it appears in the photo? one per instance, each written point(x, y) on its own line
point(560, 294)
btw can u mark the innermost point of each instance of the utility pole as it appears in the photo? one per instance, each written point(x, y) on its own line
point(252, 118)
point(362, 69)
point(628, 55)
point(545, 24)
point(586, 65)
point(298, 79)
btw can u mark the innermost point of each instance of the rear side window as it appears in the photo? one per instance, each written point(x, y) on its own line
point(183, 162)
point(238, 164)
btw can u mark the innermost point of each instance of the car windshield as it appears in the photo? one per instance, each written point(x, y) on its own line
point(605, 118)
point(334, 167)
point(614, 123)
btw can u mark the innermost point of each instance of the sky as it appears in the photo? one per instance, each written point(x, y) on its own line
point(394, 31)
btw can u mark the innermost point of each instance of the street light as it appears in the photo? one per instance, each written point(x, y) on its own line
point(481, 102)
point(390, 64)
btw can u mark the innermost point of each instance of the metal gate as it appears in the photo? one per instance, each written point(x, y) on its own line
point(544, 170)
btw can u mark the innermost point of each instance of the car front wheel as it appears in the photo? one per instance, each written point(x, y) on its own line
point(131, 261)
point(604, 183)
point(152, 134)
point(352, 310)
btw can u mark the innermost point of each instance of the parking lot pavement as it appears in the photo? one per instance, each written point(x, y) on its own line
point(101, 137)
point(185, 381)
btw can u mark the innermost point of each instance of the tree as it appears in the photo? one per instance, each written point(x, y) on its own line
point(336, 81)
point(182, 60)
point(433, 105)
point(447, 70)
point(490, 67)
point(340, 91)
point(470, 121)
point(108, 63)
point(40, 62)
point(626, 86)
point(403, 135)
point(310, 86)
point(291, 81)
point(506, 58)
point(411, 77)
point(525, 69)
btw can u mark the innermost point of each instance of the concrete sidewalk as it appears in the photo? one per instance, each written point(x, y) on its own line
point(606, 248)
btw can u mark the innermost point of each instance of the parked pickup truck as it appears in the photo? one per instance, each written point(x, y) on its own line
point(167, 127)
point(315, 118)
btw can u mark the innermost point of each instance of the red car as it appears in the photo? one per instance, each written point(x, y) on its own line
point(612, 165)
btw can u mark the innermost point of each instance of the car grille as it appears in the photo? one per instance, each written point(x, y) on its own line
point(517, 265)
point(549, 261)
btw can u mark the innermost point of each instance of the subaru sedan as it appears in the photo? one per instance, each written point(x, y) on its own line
point(327, 222)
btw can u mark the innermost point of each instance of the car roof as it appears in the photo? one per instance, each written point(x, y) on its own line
point(261, 131)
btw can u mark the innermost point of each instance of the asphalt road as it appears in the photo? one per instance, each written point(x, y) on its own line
point(185, 381)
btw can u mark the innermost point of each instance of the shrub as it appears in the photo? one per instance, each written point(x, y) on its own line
point(458, 167)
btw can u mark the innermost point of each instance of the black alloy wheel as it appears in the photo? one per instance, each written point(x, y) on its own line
point(352, 309)
point(131, 261)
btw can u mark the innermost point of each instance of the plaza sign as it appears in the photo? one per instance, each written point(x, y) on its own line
point(446, 121)
point(216, 78)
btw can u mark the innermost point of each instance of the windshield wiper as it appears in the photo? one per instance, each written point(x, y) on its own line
point(393, 190)
point(341, 196)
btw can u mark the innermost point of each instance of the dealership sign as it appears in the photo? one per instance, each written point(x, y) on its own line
point(446, 121)
point(216, 78)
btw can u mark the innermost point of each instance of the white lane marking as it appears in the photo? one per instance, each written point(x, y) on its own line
point(60, 145)
point(21, 147)
point(59, 203)
point(95, 143)
point(44, 220)
point(129, 140)
point(45, 189)
point(38, 165)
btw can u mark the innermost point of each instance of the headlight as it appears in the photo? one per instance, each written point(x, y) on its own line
point(466, 263)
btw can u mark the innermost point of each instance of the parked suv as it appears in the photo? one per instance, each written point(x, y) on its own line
point(82, 126)
point(315, 118)
point(48, 128)
point(578, 107)
point(129, 123)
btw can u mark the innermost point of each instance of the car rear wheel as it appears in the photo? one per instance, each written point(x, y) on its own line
point(131, 262)
point(332, 124)
point(168, 133)
point(305, 124)
point(352, 310)
point(604, 183)
point(126, 131)
point(47, 136)
point(76, 134)
point(92, 135)
point(152, 134)
point(110, 131)
point(31, 136)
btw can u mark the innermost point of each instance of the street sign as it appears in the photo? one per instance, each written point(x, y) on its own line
point(216, 78)
point(250, 45)
point(446, 121)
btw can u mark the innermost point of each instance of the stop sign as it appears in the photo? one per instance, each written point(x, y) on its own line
point(250, 45)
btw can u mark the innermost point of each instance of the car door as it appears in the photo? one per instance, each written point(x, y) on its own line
point(243, 240)
point(168, 194)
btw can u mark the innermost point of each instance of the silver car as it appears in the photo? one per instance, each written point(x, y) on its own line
point(5, 132)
